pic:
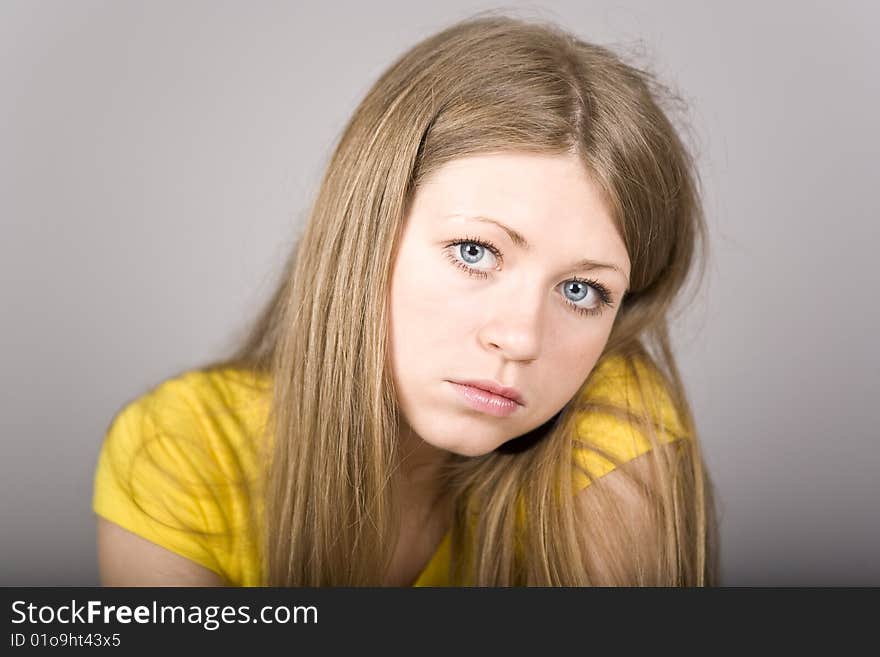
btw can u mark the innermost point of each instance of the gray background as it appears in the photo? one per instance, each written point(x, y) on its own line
point(157, 158)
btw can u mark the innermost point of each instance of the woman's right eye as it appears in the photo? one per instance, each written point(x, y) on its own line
point(468, 252)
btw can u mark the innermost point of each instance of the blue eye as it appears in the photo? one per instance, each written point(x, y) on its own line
point(473, 252)
point(465, 252)
point(578, 289)
point(469, 251)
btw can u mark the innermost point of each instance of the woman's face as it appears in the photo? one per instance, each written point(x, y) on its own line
point(473, 301)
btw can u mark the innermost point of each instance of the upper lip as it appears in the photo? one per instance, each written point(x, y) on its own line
point(496, 388)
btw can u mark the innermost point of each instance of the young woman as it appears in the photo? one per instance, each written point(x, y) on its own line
point(465, 376)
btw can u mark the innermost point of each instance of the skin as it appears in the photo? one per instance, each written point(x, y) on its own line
point(513, 326)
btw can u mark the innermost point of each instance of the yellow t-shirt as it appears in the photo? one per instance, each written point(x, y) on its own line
point(178, 463)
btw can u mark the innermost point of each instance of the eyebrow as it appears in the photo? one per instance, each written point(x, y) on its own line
point(519, 240)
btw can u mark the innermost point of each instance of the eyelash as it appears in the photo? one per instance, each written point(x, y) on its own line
point(604, 294)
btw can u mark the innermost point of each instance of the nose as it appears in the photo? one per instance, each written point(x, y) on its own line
point(514, 327)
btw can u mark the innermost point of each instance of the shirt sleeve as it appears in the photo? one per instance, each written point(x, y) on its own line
point(605, 436)
point(155, 479)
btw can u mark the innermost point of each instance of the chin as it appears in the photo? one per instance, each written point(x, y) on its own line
point(470, 449)
point(470, 453)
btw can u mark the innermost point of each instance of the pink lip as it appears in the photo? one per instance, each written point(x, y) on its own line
point(495, 388)
point(477, 397)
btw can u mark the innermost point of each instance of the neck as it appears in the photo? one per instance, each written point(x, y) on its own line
point(420, 475)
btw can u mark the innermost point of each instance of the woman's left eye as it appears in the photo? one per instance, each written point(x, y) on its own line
point(580, 289)
point(464, 253)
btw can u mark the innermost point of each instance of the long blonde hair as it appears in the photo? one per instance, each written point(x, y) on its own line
point(487, 84)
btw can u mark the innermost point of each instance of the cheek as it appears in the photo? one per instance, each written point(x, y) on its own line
point(566, 363)
point(429, 313)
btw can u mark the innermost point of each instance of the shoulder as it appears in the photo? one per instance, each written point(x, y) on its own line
point(625, 409)
point(177, 464)
point(198, 410)
point(210, 393)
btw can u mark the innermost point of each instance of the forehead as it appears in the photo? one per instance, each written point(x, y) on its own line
point(550, 199)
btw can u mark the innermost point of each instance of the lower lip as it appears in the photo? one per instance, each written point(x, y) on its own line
point(485, 401)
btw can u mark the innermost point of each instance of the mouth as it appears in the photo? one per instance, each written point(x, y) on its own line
point(486, 401)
